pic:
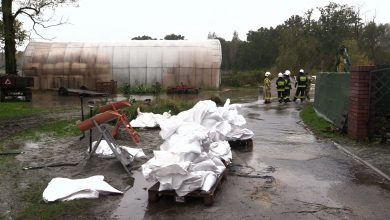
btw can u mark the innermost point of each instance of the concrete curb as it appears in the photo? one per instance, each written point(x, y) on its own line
point(353, 156)
point(357, 158)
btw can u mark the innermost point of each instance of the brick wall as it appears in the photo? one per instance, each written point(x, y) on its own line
point(358, 110)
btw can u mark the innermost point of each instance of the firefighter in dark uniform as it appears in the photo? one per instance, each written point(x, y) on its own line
point(302, 84)
point(288, 86)
point(280, 87)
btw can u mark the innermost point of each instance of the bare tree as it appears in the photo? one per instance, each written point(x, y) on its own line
point(33, 9)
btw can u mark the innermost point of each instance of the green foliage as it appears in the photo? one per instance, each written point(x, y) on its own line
point(20, 34)
point(375, 40)
point(303, 41)
point(243, 78)
point(140, 89)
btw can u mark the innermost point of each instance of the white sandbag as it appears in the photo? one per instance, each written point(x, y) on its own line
point(209, 181)
point(89, 194)
point(148, 119)
point(164, 163)
point(104, 150)
point(239, 134)
point(66, 189)
point(136, 152)
point(221, 149)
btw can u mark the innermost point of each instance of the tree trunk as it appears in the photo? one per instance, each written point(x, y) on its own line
point(9, 37)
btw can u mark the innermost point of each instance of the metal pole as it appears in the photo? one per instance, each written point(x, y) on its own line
point(82, 112)
point(90, 130)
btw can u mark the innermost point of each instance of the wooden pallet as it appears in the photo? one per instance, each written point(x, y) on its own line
point(208, 197)
point(242, 145)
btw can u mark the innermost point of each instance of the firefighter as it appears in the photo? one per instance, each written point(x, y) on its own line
point(267, 88)
point(280, 87)
point(288, 86)
point(302, 84)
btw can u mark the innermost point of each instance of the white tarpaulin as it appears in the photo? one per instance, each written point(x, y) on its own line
point(195, 145)
point(64, 189)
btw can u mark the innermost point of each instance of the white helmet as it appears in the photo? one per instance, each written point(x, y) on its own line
point(287, 72)
point(267, 74)
point(280, 75)
point(301, 71)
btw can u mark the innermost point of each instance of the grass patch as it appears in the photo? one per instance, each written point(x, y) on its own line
point(9, 110)
point(58, 129)
point(318, 125)
point(12, 110)
point(36, 208)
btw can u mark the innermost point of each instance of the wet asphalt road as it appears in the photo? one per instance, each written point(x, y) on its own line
point(304, 178)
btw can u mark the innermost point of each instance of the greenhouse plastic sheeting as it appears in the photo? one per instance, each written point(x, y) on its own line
point(138, 62)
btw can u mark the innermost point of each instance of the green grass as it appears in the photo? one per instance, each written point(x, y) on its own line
point(9, 110)
point(318, 125)
point(36, 208)
point(58, 129)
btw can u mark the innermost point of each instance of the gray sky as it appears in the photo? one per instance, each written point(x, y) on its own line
point(120, 20)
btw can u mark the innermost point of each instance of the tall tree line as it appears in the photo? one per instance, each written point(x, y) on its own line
point(304, 42)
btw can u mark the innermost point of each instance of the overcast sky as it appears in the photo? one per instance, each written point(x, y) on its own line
point(120, 20)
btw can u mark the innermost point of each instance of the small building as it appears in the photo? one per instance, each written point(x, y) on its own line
point(137, 62)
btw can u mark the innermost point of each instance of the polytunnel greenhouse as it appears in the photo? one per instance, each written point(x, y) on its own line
point(138, 62)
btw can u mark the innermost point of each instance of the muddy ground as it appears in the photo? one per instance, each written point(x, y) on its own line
point(290, 174)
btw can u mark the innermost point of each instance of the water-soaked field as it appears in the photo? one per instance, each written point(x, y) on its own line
point(302, 177)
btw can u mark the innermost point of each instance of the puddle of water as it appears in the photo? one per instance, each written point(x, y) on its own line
point(52, 99)
point(31, 145)
point(135, 201)
point(301, 138)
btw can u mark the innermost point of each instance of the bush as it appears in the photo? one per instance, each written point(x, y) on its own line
point(140, 89)
point(243, 78)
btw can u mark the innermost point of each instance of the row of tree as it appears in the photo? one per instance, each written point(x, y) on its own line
point(300, 42)
point(167, 37)
point(312, 44)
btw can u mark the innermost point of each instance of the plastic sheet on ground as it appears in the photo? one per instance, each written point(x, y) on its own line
point(104, 150)
point(148, 119)
point(64, 189)
point(196, 143)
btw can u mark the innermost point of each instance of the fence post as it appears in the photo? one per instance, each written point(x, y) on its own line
point(358, 110)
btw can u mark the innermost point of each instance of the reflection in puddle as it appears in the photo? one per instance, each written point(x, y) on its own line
point(134, 202)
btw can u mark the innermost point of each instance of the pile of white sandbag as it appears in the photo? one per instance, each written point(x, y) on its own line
point(196, 142)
